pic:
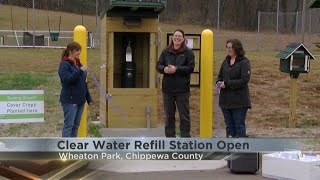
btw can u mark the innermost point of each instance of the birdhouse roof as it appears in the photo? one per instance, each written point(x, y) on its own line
point(291, 48)
point(314, 4)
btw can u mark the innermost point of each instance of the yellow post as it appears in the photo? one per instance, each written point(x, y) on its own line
point(80, 36)
point(293, 101)
point(206, 83)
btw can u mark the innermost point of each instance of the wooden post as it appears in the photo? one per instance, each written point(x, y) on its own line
point(293, 100)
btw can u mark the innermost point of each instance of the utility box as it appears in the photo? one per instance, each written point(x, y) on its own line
point(295, 58)
point(128, 63)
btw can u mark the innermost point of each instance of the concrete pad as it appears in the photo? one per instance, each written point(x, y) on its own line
point(132, 132)
point(134, 166)
point(218, 174)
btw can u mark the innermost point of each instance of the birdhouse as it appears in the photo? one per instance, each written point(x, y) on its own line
point(129, 34)
point(295, 59)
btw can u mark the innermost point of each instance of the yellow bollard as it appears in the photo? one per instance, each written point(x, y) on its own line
point(80, 36)
point(206, 83)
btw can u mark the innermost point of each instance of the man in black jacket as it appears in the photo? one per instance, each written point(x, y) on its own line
point(233, 79)
point(176, 62)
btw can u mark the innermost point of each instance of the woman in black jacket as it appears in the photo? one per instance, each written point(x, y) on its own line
point(176, 63)
point(233, 79)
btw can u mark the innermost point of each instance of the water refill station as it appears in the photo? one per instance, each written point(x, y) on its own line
point(129, 31)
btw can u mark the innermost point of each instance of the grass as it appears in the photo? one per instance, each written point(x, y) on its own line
point(37, 69)
point(16, 129)
point(23, 81)
point(94, 129)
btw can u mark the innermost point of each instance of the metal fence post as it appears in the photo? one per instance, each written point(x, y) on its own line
point(303, 20)
point(297, 15)
point(218, 20)
point(310, 19)
point(258, 35)
point(277, 28)
point(33, 38)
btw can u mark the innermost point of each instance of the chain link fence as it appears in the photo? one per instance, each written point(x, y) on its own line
point(255, 23)
point(275, 30)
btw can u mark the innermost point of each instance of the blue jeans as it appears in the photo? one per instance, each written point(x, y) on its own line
point(235, 121)
point(72, 116)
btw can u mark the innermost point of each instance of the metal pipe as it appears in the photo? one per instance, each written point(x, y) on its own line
point(218, 20)
point(303, 20)
point(33, 38)
point(277, 29)
point(297, 15)
point(258, 36)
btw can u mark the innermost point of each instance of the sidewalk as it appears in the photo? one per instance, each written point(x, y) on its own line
point(219, 174)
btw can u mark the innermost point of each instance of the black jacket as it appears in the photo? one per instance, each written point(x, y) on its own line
point(73, 80)
point(179, 82)
point(236, 78)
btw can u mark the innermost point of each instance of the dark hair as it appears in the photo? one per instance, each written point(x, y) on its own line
point(70, 47)
point(237, 47)
point(183, 45)
point(179, 30)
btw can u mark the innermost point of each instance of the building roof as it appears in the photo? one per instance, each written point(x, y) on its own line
point(136, 8)
point(314, 4)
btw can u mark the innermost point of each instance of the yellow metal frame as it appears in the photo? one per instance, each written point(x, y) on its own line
point(206, 83)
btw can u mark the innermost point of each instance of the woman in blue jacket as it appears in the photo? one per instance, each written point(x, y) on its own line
point(74, 92)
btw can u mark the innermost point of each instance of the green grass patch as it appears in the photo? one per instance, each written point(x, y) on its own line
point(308, 123)
point(304, 123)
point(13, 130)
point(94, 130)
point(22, 81)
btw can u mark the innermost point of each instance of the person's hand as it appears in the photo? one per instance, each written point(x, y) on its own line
point(222, 85)
point(169, 70)
point(84, 68)
point(172, 69)
point(166, 70)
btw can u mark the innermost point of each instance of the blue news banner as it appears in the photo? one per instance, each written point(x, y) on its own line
point(145, 148)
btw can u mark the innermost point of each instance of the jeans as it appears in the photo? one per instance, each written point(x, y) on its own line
point(235, 121)
point(72, 116)
point(181, 101)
